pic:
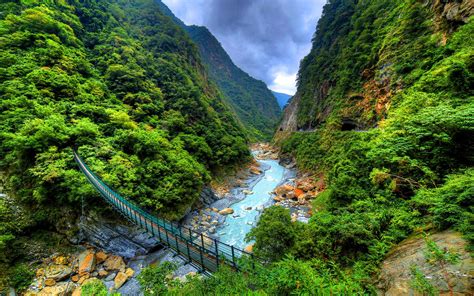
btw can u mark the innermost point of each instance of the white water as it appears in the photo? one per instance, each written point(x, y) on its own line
point(237, 225)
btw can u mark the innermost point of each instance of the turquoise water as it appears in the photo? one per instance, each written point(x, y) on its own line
point(237, 225)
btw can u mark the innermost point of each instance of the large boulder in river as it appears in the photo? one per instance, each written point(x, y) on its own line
point(226, 211)
point(396, 275)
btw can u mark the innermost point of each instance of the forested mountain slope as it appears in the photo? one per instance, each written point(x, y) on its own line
point(250, 98)
point(122, 84)
point(384, 113)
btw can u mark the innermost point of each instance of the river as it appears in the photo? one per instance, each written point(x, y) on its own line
point(247, 210)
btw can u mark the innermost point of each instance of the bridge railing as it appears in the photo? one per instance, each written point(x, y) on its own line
point(195, 247)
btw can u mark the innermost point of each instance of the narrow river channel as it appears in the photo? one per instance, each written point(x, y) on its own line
point(247, 211)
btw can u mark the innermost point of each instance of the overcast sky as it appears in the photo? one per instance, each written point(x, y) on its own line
point(266, 38)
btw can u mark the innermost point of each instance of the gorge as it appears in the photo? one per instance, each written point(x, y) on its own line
point(365, 187)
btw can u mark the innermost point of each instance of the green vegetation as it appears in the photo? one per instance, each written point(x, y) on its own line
point(384, 63)
point(120, 82)
point(251, 100)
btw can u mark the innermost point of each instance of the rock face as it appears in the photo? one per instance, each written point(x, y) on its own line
point(395, 275)
point(126, 241)
point(114, 262)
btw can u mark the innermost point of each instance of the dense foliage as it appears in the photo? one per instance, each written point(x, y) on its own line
point(120, 82)
point(402, 67)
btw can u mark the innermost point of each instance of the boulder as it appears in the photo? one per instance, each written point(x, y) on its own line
point(129, 272)
point(100, 257)
point(75, 278)
point(298, 192)
point(395, 275)
point(247, 192)
point(120, 279)
point(277, 199)
point(114, 262)
point(49, 282)
point(77, 291)
point(57, 272)
point(103, 273)
point(226, 211)
point(254, 170)
point(59, 289)
point(60, 260)
point(248, 208)
point(86, 262)
point(283, 189)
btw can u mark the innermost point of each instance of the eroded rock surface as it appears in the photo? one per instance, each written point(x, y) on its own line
point(396, 275)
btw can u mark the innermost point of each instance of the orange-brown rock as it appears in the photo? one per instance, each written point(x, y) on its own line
point(278, 198)
point(249, 248)
point(49, 282)
point(102, 273)
point(77, 291)
point(100, 257)
point(298, 192)
point(75, 278)
point(86, 262)
point(114, 262)
point(284, 189)
point(254, 170)
point(63, 260)
point(40, 272)
point(120, 279)
point(226, 211)
point(129, 272)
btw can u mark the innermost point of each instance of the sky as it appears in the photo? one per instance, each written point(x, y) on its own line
point(265, 38)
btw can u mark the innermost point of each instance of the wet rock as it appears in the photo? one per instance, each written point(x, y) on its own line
point(226, 211)
point(86, 262)
point(75, 278)
point(102, 273)
point(120, 279)
point(114, 262)
point(248, 208)
point(110, 277)
point(207, 196)
point(247, 192)
point(57, 272)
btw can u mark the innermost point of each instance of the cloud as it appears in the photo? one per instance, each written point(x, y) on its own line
point(266, 38)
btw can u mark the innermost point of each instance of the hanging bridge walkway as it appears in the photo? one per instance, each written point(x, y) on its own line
point(204, 252)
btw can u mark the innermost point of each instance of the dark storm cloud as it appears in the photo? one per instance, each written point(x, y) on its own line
point(266, 38)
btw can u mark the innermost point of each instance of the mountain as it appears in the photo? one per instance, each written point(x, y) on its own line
point(282, 98)
point(250, 98)
point(383, 116)
point(122, 84)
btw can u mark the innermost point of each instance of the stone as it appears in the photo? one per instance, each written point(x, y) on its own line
point(110, 277)
point(60, 260)
point(49, 282)
point(283, 189)
point(77, 291)
point(248, 208)
point(86, 262)
point(103, 273)
point(298, 192)
point(57, 272)
point(249, 248)
point(129, 272)
point(226, 211)
point(205, 224)
point(254, 170)
point(114, 262)
point(40, 272)
point(100, 257)
point(215, 210)
point(395, 274)
point(212, 230)
point(247, 192)
point(75, 278)
point(214, 222)
point(120, 279)
point(277, 199)
point(57, 290)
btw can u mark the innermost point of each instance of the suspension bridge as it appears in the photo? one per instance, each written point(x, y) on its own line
point(204, 252)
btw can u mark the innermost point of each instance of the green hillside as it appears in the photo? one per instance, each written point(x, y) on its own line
point(123, 84)
point(250, 98)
